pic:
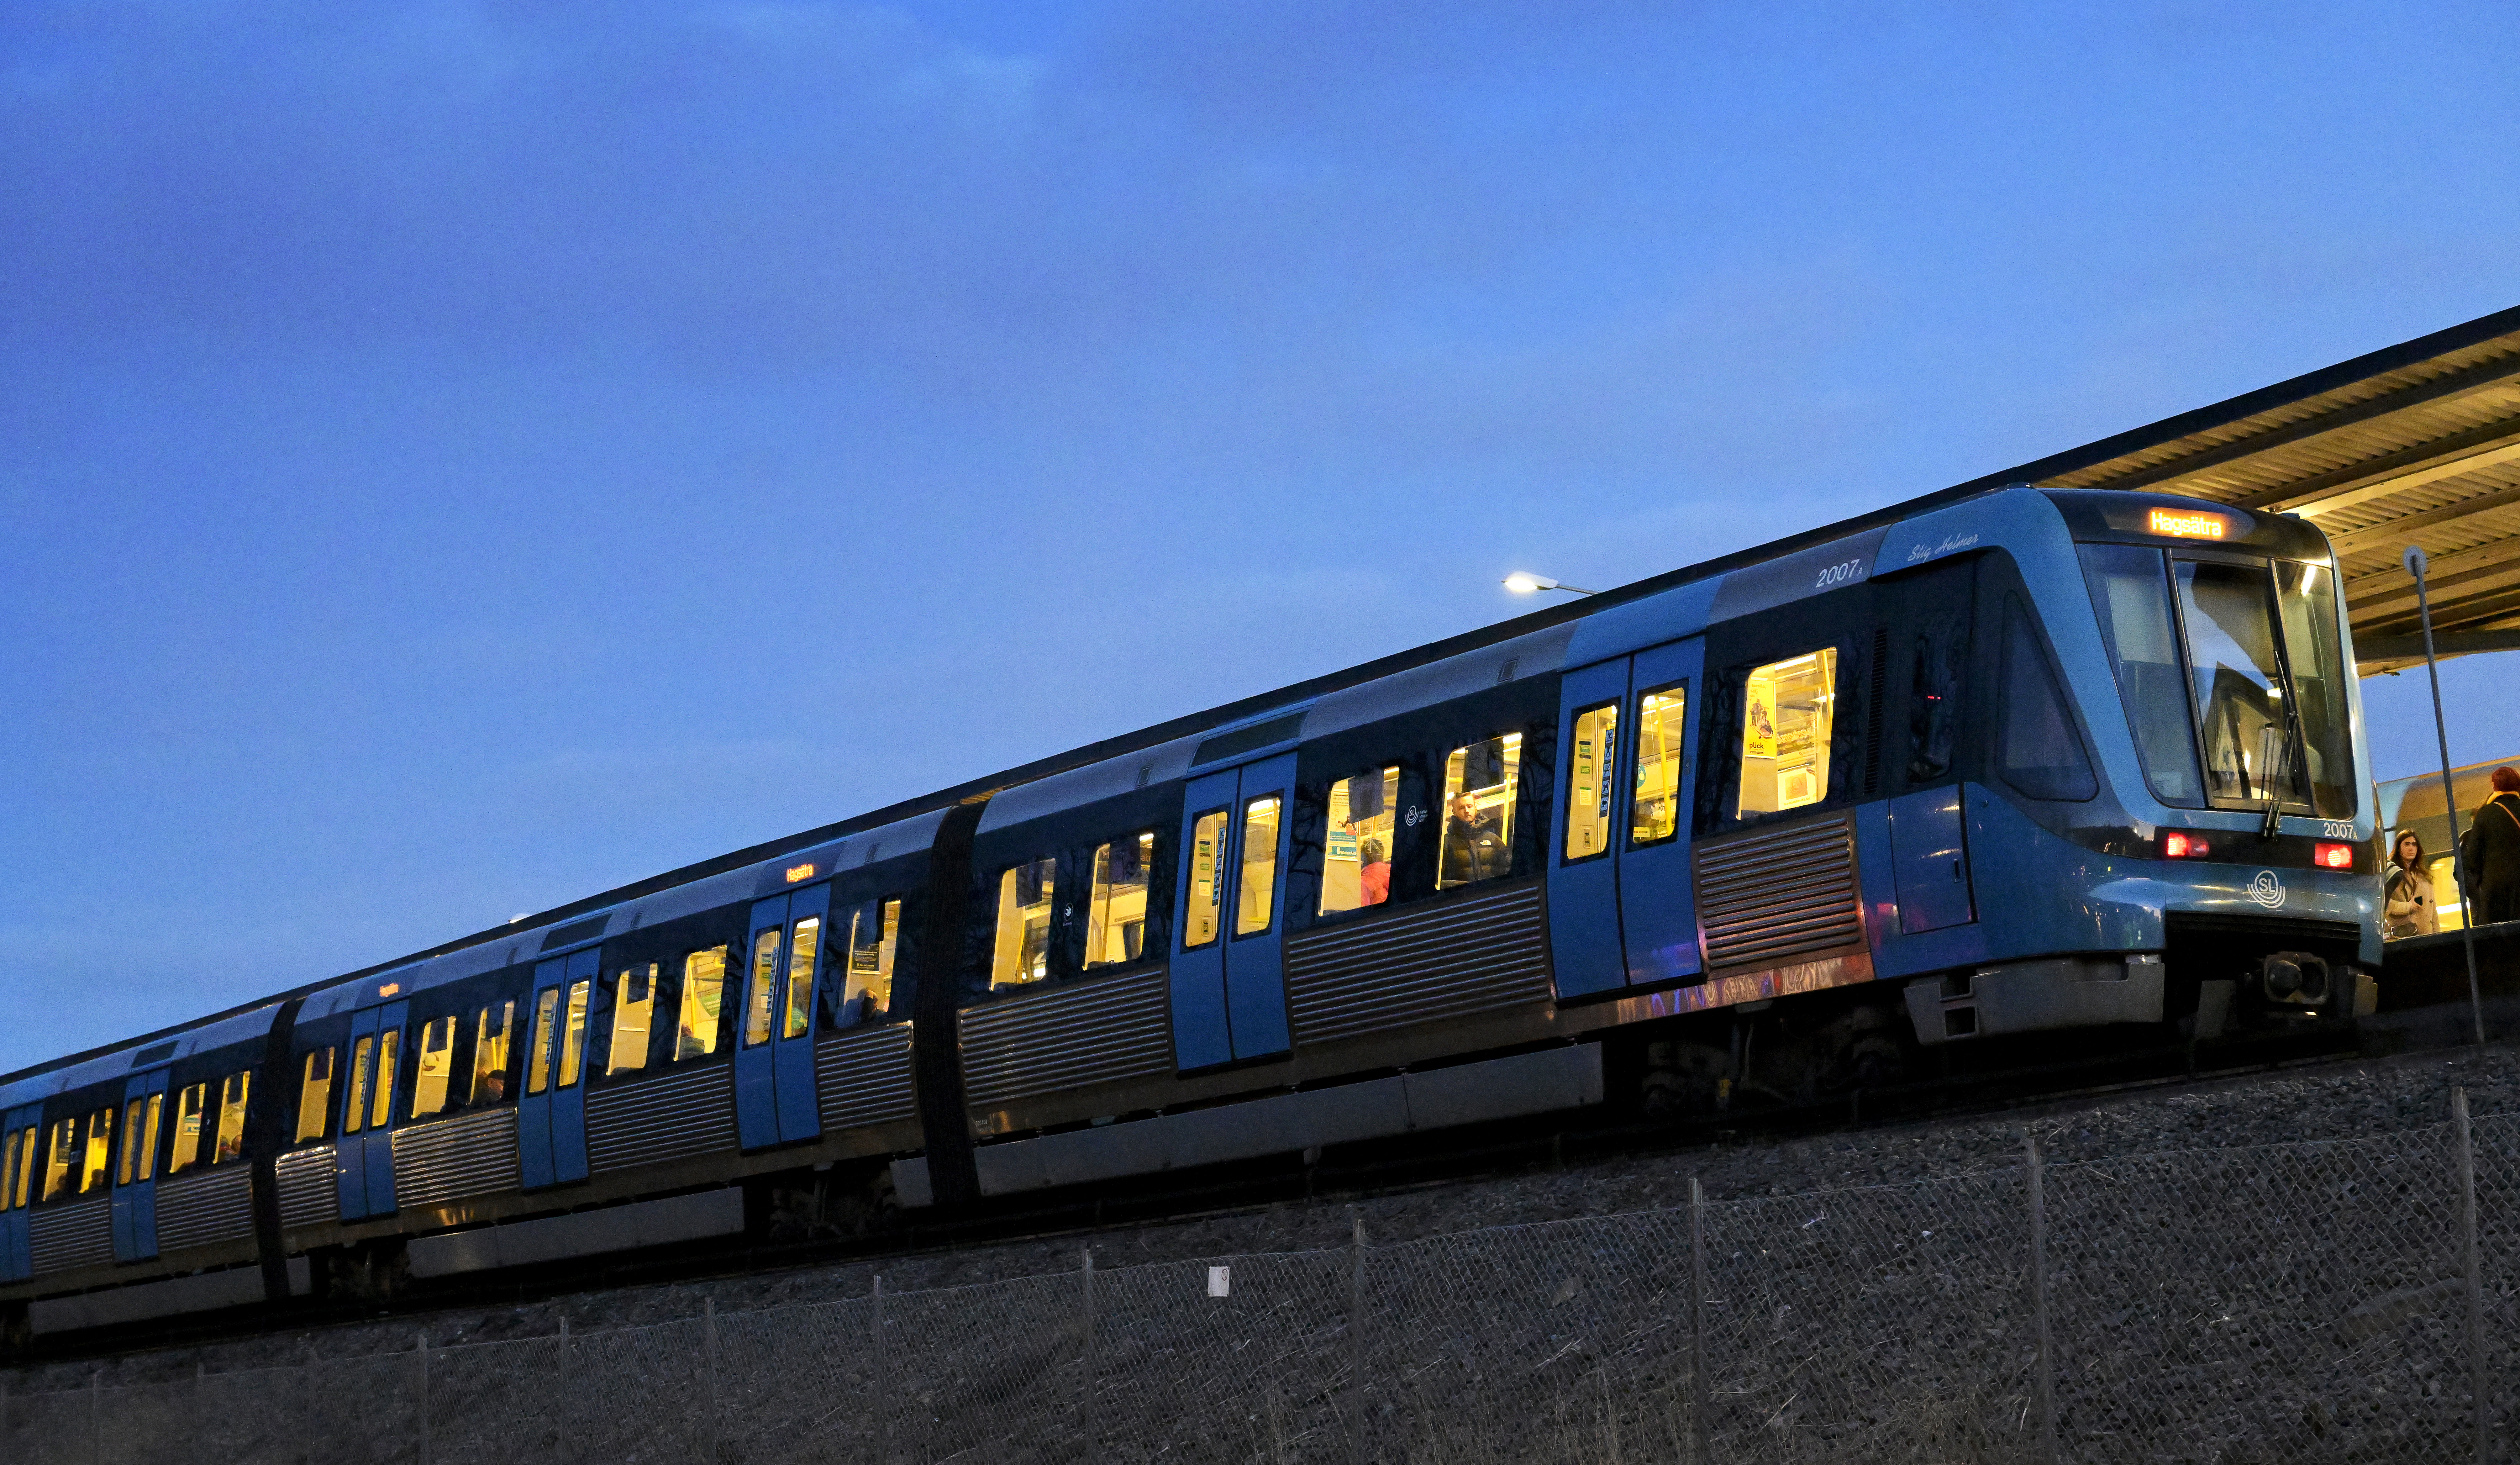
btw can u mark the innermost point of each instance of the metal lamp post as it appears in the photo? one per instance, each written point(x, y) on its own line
point(2414, 561)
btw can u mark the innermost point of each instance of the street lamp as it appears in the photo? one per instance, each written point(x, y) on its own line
point(1524, 582)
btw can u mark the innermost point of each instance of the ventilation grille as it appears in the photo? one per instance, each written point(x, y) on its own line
point(575, 932)
point(1095, 1033)
point(1771, 898)
point(1247, 739)
point(864, 1078)
point(470, 1155)
point(307, 1195)
point(1454, 960)
point(657, 1120)
point(158, 1054)
point(80, 1234)
point(205, 1209)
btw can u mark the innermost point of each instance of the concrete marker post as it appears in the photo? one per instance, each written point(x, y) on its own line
point(882, 1383)
point(2414, 563)
point(1356, 1342)
point(420, 1353)
point(708, 1325)
point(567, 1447)
point(95, 1419)
point(1085, 1394)
point(1698, 1426)
point(2039, 1298)
point(2472, 1268)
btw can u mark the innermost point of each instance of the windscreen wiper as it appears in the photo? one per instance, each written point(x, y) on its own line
point(2274, 763)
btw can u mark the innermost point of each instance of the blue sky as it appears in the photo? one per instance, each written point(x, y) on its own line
point(458, 457)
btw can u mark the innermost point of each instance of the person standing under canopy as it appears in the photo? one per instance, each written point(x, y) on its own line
point(2492, 852)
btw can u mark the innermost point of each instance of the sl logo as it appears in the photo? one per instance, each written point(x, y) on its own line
point(2266, 890)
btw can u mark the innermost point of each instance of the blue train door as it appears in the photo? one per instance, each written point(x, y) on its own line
point(363, 1160)
point(774, 1055)
point(1228, 983)
point(1622, 909)
point(135, 1177)
point(551, 1115)
point(20, 1131)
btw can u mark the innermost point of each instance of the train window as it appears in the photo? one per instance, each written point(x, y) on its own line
point(9, 1148)
point(232, 1095)
point(1116, 915)
point(490, 1052)
point(314, 1098)
point(1256, 903)
point(389, 1073)
point(2037, 750)
point(765, 973)
point(703, 991)
point(187, 1127)
point(1480, 783)
point(634, 1005)
point(25, 1193)
point(1025, 897)
point(1200, 919)
point(2132, 594)
point(1653, 813)
point(437, 1068)
point(1788, 713)
point(1356, 861)
point(538, 1058)
point(2238, 681)
point(98, 1151)
point(2305, 603)
point(363, 1068)
point(804, 950)
point(140, 1139)
point(874, 937)
point(60, 1162)
point(573, 1041)
point(1588, 781)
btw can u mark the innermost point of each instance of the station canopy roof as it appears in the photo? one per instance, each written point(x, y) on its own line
point(2418, 443)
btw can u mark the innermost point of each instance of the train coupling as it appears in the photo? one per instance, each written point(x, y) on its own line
point(2037, 996)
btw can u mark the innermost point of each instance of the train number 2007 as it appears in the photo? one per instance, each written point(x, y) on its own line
point(1840, 574)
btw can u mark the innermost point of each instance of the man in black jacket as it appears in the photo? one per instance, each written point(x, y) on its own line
point(2491, 853)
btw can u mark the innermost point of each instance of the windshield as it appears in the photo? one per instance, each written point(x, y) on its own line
point(2204, 682)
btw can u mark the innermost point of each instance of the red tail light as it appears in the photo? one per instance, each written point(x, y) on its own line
point(2333, 856)
point(2178, 844)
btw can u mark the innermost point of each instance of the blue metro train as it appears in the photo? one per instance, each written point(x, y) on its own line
point(1986, 764)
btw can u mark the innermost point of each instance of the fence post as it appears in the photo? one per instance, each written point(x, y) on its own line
point(4, 1422)
point(708, 1323)
point(1085, 1399)
point(1697, 1422)
point(2474, 1270)
point(95, 1420)
point(882, 1383)
point(2046, 1380)
point(559, 1401)
point(1356, 1341)
point(422, 1354)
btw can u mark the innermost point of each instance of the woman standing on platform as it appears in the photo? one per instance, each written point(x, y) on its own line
point(2410, 895)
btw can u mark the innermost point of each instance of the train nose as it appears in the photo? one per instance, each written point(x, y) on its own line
point(2294, 977)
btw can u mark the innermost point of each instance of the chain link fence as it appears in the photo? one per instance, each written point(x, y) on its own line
point(2321, 1301)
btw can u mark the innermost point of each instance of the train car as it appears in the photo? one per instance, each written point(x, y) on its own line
point(1982, 766)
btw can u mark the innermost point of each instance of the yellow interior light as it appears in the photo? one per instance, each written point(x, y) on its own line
point(799, 872)
point(389, 989)
point(2187, 523)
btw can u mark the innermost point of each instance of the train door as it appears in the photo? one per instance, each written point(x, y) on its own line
point(363, 1160)
point(1228, 984)
point(20, 1129)
point(1925, 672)
point(775, 1101)
point(135, 1175)
point(551, 1115)
point(1584, 878)
point(1622, 909)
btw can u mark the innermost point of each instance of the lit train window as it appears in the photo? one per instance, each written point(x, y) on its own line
point(703, 992)
point(437, 1068)
point(1480, 783)
point(765, 975)
point(634, 1005)
point(26, 1165)
point(140, 1139)
point(314, 1099)
point(1653, 814)
point(1024, 897)
point(1356, 863)
point(232, 1092)
point(572, 1043)
point(804, 949)
point(875, 938)
point(389, 1071)
point(538, 1058)
point(1200, 918)
point(1115, 913)
point(1788, 709)
point(187, 1127)
point(1256, 905)
point(1588, 781)
point(61, 1165)
point(98, 1151)
point(363, 1068)
point(9, 1187)
point(490, 1052)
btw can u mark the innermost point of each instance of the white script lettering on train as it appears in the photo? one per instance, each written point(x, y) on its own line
point(1840, 574)
point(1951, 542)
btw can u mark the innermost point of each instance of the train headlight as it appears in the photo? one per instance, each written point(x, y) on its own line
point(2178, 844)
point(2333, 856)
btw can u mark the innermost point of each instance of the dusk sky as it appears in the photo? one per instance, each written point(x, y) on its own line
point(456, 458)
